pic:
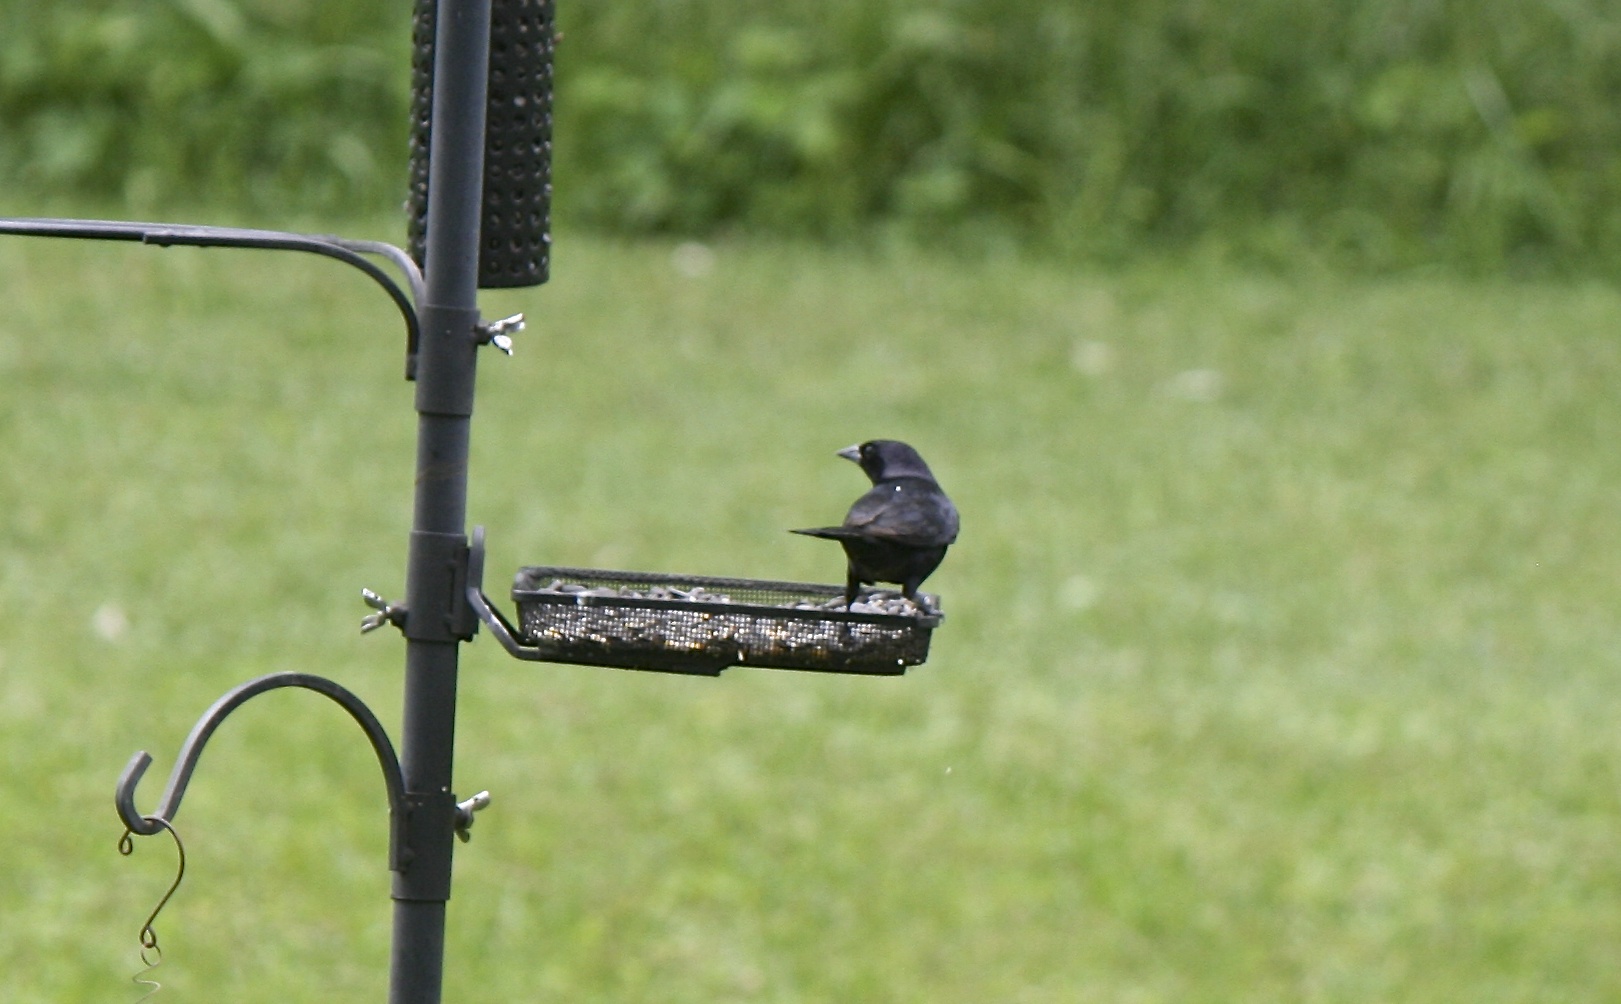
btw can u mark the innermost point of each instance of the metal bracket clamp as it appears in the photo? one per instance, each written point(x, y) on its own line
point(464, 814)
point(442, 571)
point(424, 876)
point(499, 333)
point(386, 613)
point(500, 628)
point(445, 355)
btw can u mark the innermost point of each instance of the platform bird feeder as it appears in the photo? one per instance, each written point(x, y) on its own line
point(700, 625)
point(479, 210)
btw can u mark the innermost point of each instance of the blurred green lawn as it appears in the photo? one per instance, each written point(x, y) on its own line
point(1280, 660)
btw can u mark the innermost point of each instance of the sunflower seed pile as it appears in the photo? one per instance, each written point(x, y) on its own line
point(696, 593)
point(873, 601)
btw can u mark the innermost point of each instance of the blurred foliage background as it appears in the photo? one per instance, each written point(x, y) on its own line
point(1374, 135)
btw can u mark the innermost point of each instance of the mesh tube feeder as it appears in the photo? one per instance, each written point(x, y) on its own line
point(515, 239)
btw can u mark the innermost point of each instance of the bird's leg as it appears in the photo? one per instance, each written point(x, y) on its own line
point(852, 588)
point(909, 590)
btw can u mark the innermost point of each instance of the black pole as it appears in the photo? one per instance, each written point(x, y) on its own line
point(438, 619)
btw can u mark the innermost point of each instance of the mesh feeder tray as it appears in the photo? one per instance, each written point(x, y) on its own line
point(692, 624)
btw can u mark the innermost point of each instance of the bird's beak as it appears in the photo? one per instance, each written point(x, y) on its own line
point(852, 453)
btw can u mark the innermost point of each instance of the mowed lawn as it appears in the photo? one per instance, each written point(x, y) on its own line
point(1281, 660)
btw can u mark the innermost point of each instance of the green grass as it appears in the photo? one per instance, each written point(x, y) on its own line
point(1280, 662)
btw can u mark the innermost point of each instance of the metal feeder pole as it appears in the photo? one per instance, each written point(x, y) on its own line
point(439, 618)
point(443, 334)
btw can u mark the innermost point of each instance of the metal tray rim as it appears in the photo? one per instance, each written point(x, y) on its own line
point(927, 621)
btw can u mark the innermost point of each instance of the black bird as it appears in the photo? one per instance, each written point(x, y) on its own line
point(900, 529)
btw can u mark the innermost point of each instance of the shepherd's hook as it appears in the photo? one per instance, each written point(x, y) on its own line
point(147, 824)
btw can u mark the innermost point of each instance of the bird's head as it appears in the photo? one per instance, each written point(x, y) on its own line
point(887, 458)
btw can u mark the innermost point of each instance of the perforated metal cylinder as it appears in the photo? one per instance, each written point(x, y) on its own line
point(515, 220)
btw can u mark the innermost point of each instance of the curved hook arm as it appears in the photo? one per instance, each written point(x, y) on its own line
point(350, 252)
point(169, 805)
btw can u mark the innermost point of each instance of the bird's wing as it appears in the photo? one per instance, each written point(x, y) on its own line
point(908, 511)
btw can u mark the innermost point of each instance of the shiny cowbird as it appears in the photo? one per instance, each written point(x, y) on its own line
point(900, 529)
